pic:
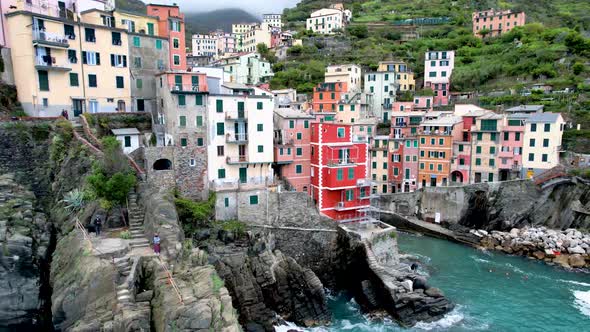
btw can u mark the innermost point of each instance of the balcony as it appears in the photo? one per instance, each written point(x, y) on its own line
point(49, 63)
point(236, 115)
point(341, 162)
point(236, 184)
point(237, 138)
point(49, 39)
point(184, 88)
point(401, 124)
point(364, 183)
point(378, 148)
point(283, 141)
point(237, 160)
point(351, 205)
point(42, 7)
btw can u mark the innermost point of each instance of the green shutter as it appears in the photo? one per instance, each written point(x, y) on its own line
point(305, 124)
point(158, 44)
point(220, 128)
point(299, 151)
point(195, 80)
point(136, 41)
point(261, 148)
point(221, 173)
point(254, 200)
point(150, 27)
point(43, 80)
point(119, 81)
point(183, 142)
point(259, 105)
point(74, 79)
point(339, 174)
point(139, 83)
point(260, 127)
point(219, 103)
point(240, 105)
point(298, 169)
point(181, 100)
point(291, 124)
point(199, 121)
point(199, 141)
point(199, 100)
point(183, 121)
point(351, 173)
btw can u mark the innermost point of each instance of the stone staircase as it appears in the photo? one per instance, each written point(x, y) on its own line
point(136, 216)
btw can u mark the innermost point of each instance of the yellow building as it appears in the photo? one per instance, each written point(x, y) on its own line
point(379, 149)
point(404, 76)
point(61, 64)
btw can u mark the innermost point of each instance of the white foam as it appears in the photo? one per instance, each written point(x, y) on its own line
point(480, 260)
point(579, 283)
point(287, 327)
point(582, 302)
point(450, 319)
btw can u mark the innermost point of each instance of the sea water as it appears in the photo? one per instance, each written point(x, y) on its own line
point(492, 292)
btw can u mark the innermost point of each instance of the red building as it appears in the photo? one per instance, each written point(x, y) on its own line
point(339, 172)
point(171, 26)
point(327, 95)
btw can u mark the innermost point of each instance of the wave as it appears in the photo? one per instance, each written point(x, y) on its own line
point(582, 302)
point(480, 260)
point(450, 319)
point(573, 282)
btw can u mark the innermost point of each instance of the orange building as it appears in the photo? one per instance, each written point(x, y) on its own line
point(327, 95)
point(171, 26)
point(436, 150)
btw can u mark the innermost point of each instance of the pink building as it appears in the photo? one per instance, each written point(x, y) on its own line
point(405, 126)
point(171, 26)
point(438, 68)
point(512, 138)
point(420, 103)
point(292, 147)
point(496, 22)
point(461, 162)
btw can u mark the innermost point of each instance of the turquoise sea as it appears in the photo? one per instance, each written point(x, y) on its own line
point(492, 292)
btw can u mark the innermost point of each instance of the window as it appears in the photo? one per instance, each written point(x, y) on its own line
point(136, 41)
point(137, 62)
point(220, 150)
point(72, 58)
point(443, 74)
point(299, 151)
point(384, 165)
point(477, 162)
point(478, 149)
point(199, 121)
point(422, 140)
point(299, 135)
point(532, 143)
point(461, 161)
point(432, 74)
point(291, 124)
point(176, 60)
point(395, 171)
point(431, 167)
point(127, 143)
point(89, 35)
point(259, 105)
point(460, 147)
point(489, 125)
point(175, 25)
point(261, 148)
point(421, 165)
point(492, 150)
point(340, 132)
point(517, 137)
point(490, 177)
point(260, 127)
point(221, 173)
point(120, 61)
point(547, 127)
point(374, 165)
point(340, 174)
point(432, 141)
point(182, 121)
point(479, 136)
point(220, 128)
point(43, 80)
point(120, 82)
point(533, 127)
point(158, 44)
point(219, 106)
point(183, 142)
point(351, 173)
point(74, 79)
point(544, 157)
point(91, 58)
point(349, 195)
point(199, 100)
point(306, 124)
point(492, 162)
point(531, 157)
point(545, 142)
point(441, 141)
point(439, 167)
point(181, 100)
point(199, 141)
point(69, 31)
point(92, 81)
point(298, 169)
point(116, 38)
point(175, 43)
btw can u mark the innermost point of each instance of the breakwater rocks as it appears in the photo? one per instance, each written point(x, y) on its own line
point(569, 248)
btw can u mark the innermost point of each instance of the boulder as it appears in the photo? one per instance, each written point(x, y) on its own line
point(434, 292)
point(576, 250)
point(576, 260)
point(562, 260)
point(420, 283)
point(539, 254)
point(408, 285)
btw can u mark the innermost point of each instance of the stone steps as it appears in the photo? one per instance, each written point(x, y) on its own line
point(139, 243)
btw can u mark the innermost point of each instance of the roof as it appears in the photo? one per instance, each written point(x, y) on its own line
point(443, 121)
point(382, 137)
point(290, 113)
point(526, 108)
point(491, 116)
point(475, 113)
point(518, 116)
point(125, 131)
point(407, 113)
point(544, 117)
point(236, 86)
point(366, 121)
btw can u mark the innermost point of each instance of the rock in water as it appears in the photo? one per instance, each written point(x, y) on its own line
point(576, 260)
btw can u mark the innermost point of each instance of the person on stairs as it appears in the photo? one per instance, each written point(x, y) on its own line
point(97, 225)
point(157, 244)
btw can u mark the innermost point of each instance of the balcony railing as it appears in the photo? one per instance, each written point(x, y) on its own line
point(184, 88)
point(351, 205)
point(51, 39)
point(42, 7)
point(232, 160)
point(341, 162)
point(236, 115)
point(236, 138)
point(364, 183)
point(235, 184)
point(48, 62)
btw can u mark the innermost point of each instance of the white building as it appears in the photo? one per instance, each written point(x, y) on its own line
point(129, 138)
point(242, 27)
point(273, 20)
point(542, 142)
point(383, 87)
point(326, 20)
point(349, 74)
point(240, 141)
point(205, 45)
point(259, 35)
point(248, 68)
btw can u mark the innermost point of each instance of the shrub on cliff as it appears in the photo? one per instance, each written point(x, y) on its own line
point(194, 214)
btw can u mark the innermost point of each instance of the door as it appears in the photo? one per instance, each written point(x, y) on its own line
point(386, 117)
point(121, 106)
point(242, 152)
point(433, 182)
point(427, 103)
point(78, 106)
point(477, 177)
point(243, 174)
point(150, 27)
point(178, 82)
point(140, 105)
point(93, 106)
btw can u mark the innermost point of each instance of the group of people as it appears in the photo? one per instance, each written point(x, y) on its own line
point(155, 241)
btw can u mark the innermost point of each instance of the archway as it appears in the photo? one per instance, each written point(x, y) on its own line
point(162, 165)
point(457, 177)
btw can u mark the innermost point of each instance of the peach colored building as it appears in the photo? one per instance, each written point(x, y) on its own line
point(512, 139)
point(485, 146)
point(292, 147)
point(438, 68)
point(496, 22)
point(171, 26)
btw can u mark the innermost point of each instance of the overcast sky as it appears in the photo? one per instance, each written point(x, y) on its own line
point(257, 7)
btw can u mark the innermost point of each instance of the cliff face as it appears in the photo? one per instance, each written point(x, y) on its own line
point(497, 206)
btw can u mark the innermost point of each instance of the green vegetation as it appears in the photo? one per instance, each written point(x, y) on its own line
point(125, 235)
point(111, 177)
point(74, 200)
point(216, 283)
point(233, 226)
point(194, 214)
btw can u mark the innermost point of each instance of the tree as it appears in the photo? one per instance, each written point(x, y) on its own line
point(578, 68)
point(484, 32)
point(359, 31)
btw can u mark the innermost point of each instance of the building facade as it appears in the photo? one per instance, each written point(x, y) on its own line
point(485, 147)
point(273, 20)
point(380, 164)
point(542, 142)
point(171, 25)
point(404, 76)
point(438, 68)
point(326, 96)
point(350, 74)
point(292, 149)
point(248, 68)
point(383, 87)
point(326, 21)
point(205, 45)
point(510, 154)
point(495, 23)
point(339, 173)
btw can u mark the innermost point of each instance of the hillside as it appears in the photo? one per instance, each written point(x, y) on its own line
point(136, 6)
point(217, 19)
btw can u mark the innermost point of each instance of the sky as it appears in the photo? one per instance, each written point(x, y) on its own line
point(257, 7)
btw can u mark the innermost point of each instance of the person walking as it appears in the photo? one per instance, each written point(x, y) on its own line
point(97, 225)
point(65, 114)
point(157, 244)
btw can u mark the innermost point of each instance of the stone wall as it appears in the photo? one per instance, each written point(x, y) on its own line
point(7, 76)
point(500, 205)
point(163, 179)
